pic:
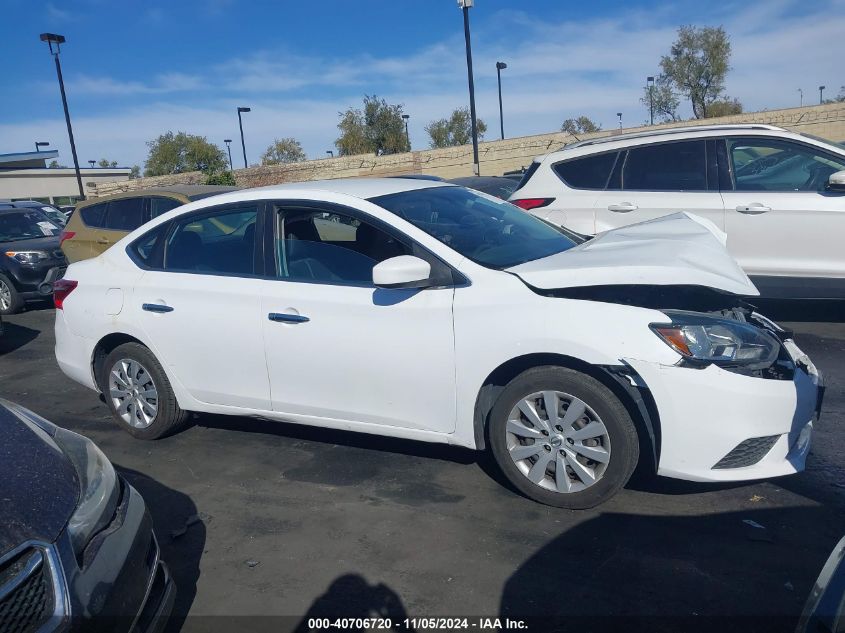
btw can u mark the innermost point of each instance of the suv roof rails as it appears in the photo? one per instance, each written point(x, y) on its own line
point(674, 130)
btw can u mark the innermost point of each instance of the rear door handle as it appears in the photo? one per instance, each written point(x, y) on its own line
point(102, 240)
point(156, 307)
point(755, 208)
point(279, 317)
point(622, 207)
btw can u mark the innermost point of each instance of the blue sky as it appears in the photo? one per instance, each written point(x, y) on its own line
point(135, 70)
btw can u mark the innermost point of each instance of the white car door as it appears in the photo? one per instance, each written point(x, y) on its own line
point(657, 179)
point(202, 311)
point(340, 349)
point(781, 221)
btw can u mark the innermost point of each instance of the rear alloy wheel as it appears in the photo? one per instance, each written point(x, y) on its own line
point(10, 300)
point(139, 394)
point(563, 438)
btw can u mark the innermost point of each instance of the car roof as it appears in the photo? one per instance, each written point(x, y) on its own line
point(716, 129)
point(363, 188)
point(192, 192)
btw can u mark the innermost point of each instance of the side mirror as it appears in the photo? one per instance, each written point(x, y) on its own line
point(404, 271)
point(836, 182)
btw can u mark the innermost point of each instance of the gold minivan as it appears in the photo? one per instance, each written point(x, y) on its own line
point(98, 223)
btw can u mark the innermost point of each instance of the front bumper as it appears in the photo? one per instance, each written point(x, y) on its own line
point(710, 417)
point(37, 282)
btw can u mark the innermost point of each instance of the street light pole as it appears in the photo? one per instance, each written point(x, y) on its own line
point(41, 144)
point(330, 153)
point(500, 66)
point(650, 83)
point(58, 40)
point(229, 149)
point(407, 135)
point(241, 125)
point(619, 114)
point(801, 94)
point(821, 94)
point(465, 6)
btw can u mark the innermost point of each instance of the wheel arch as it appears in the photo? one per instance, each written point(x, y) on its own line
point(103, 348)
point(621, 379)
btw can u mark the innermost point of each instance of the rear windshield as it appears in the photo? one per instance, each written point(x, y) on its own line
point(489, 231)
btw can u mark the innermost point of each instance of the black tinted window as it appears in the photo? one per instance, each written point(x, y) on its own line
point(219, 243)
point(590, 172)
point(162, 205)
point(95, 215)
point(125, 215)
point(666, 167)
point(331, 247)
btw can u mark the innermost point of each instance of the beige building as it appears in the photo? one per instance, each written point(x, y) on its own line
point(25, 176)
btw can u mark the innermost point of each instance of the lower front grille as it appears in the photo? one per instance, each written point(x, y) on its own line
point(747, 452)
point(26, 593)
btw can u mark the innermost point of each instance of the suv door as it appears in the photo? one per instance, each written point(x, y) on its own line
point(199, 303)
point(340, 350)
point(657, 179)
point(781, 220)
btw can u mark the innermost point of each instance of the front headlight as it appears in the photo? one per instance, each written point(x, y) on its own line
point(720, 341)
point(27, 257)
point(99, 490)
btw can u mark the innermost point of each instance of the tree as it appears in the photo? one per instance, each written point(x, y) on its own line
point(286, 150)
point(724, 107)
point(662, 100)
point(378, 128)
point(54, 164)
point(105, 162)
point(580, 125)
point(177, 153)
point(135, 173)
point(456, 130)
point(697, 65)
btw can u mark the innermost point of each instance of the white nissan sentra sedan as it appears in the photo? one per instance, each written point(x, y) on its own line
point(423, 310)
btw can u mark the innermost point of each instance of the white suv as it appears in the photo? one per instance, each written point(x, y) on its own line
point(779, 195)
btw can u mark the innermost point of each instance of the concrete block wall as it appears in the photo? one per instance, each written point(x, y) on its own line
point(495, 157)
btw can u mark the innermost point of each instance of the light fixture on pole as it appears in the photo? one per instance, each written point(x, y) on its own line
point(228, 142)
point(465, 6)
point(92, 163)
point(650, 83)
point(407, 136)
point(41, 144)
point(801, 94)
point(330, 153)
point(821, 94)
point(54, 41)
point(500, 66)
point(619, 114)
point(241, 125)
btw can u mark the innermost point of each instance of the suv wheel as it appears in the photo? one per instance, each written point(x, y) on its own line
point(10, 300)
point(139, 395)
point(562, 438)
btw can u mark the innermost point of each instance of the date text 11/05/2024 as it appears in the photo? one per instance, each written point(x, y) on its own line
point(411, 624)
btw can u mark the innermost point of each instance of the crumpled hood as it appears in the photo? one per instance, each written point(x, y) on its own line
point(677, 249)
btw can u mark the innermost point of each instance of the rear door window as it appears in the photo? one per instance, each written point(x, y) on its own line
point(95, 215)
point(589, 172)
point(678, 166)
point(163, 205)
point(125, 215)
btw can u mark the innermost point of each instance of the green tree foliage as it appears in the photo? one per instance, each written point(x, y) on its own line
point(376, 128)
point(221, 178)
point(580, 125)
point(105, 162)
point(285, 150)
point(176, 153)
point(54, 164)
point(456, 130)
point(724, 107)
point(135, 173)
point(697, 65)
point(662, 98)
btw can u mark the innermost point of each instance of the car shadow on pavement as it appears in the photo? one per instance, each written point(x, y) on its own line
point(180, 531)
point(15, 336)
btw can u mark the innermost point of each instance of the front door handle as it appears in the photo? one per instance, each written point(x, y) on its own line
point(156, 307)
point(755, 208)
point(287, 318)
point(622, 207)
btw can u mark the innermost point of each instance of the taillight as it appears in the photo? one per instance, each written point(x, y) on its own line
point(532, 203)
point(66, 235)
point(61, 289)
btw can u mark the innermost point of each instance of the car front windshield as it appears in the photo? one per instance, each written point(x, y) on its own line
point(25, 225)
point(488, 231)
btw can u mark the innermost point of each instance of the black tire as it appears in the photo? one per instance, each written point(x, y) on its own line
point(169, 417)
point(621, 435)
point(16, 302)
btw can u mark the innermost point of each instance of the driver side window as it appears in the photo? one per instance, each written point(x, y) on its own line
point(766, 164)
point(331, 248)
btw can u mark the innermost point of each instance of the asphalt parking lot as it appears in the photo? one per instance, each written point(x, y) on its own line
point(263, 518)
